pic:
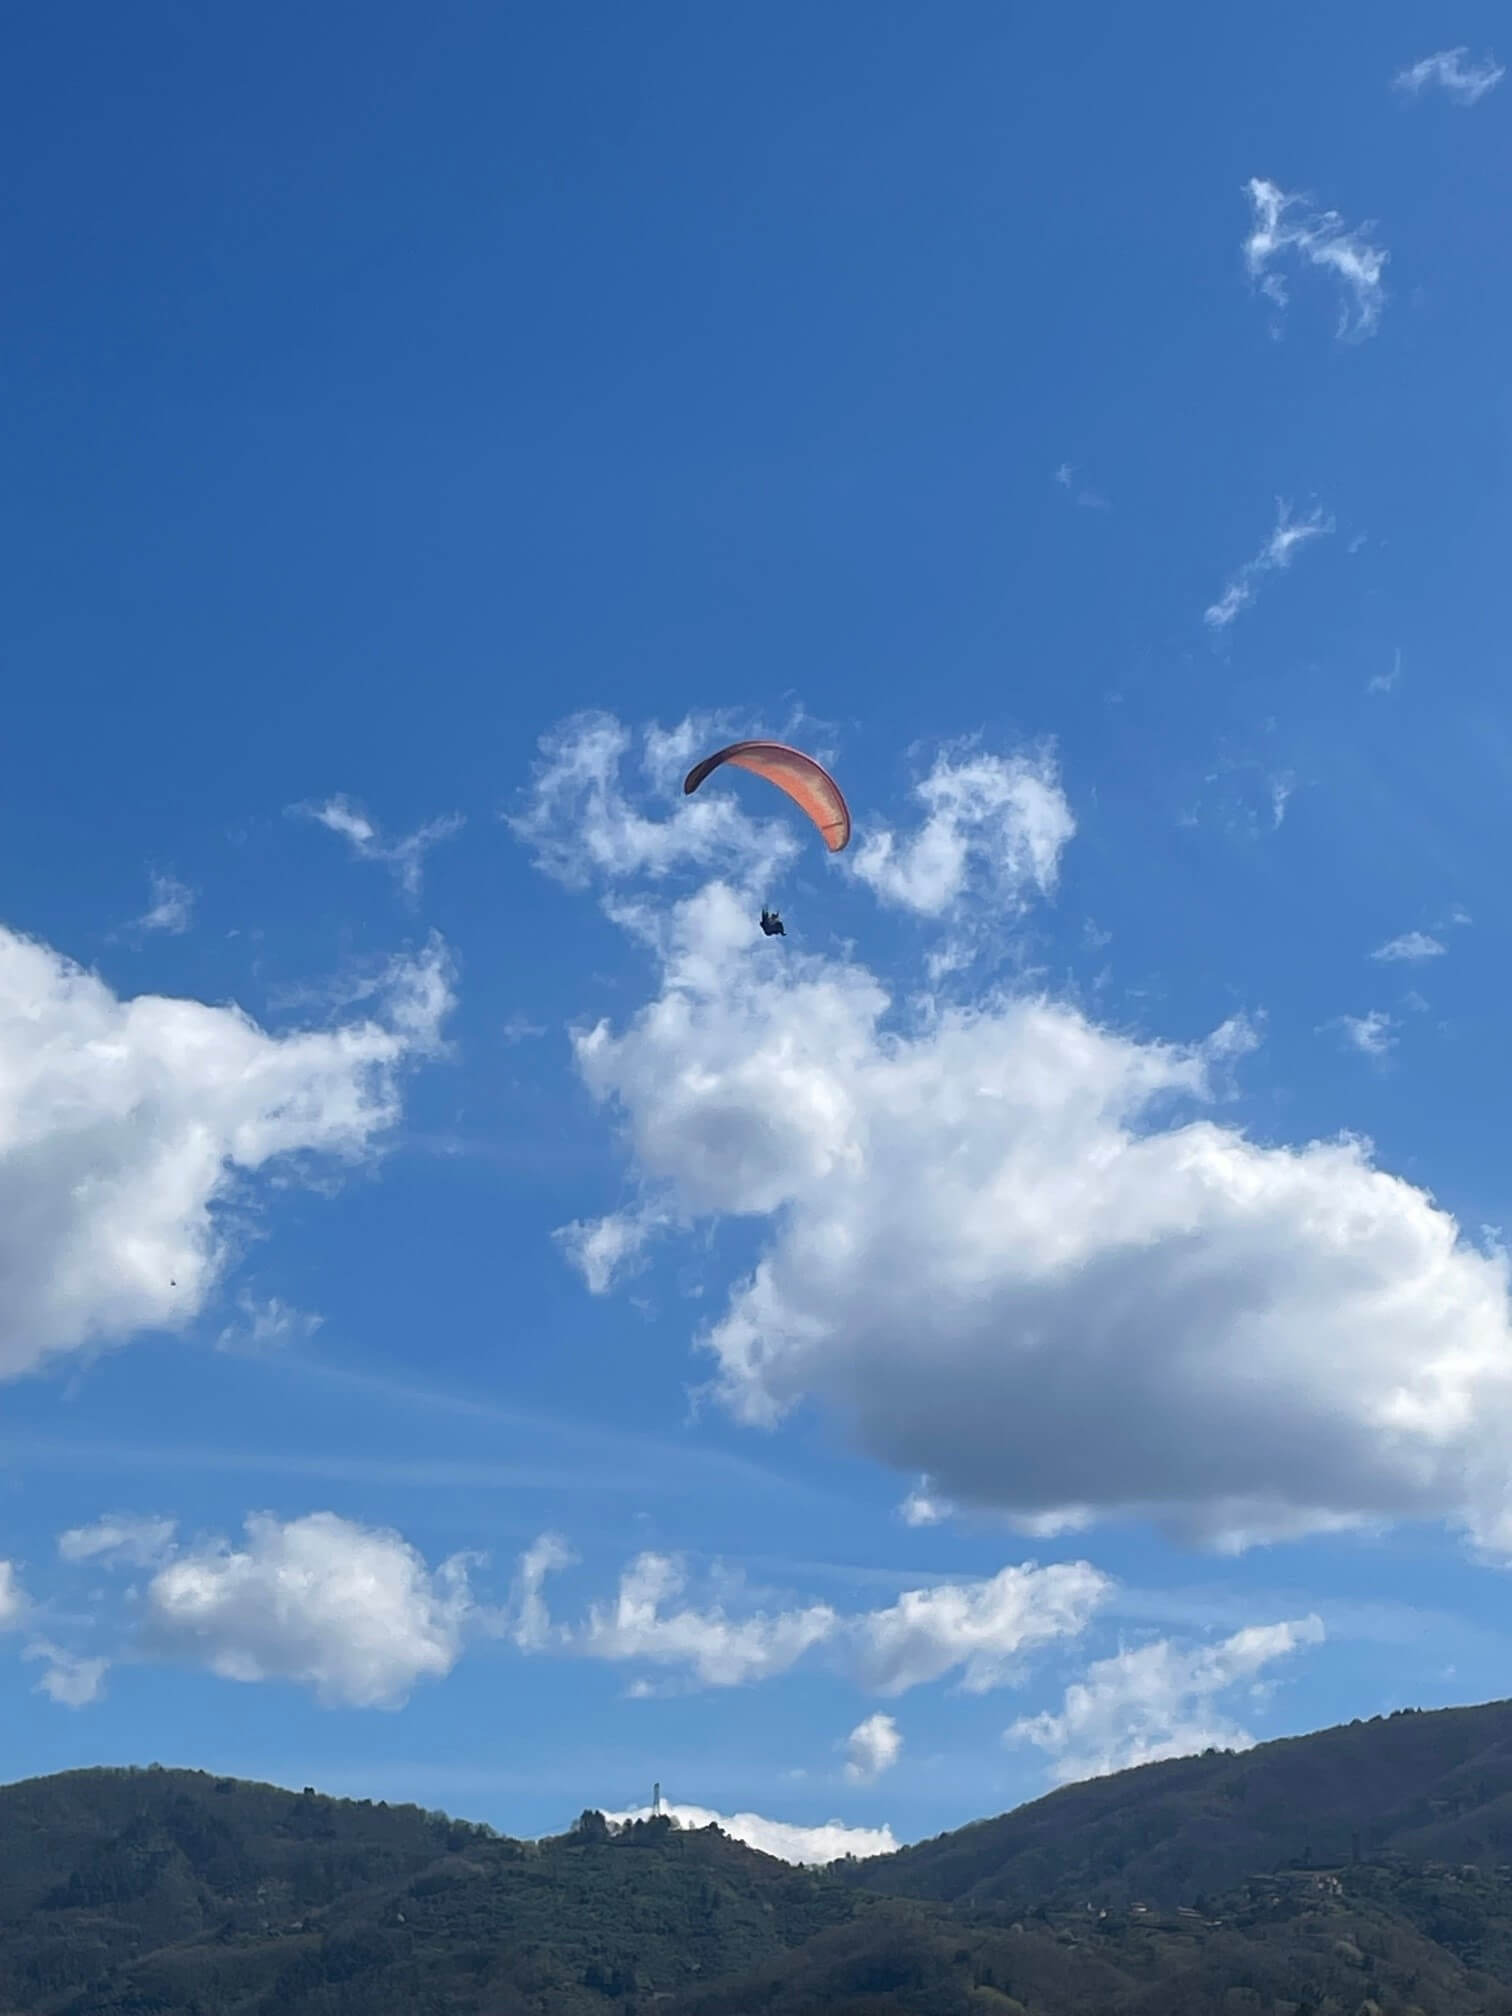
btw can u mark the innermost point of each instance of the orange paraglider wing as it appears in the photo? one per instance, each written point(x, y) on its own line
point(807, 783)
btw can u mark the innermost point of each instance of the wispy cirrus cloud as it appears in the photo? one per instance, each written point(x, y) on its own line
point(1158, 1700)
point(1089, 500)
point(606, 806)
point(528, 1619)
point(13, 1600)
point(68, 1678)
point(404, 857)
point(1286, 231)
point(922, 1507)
point(606, 1250)
point(716, 1649)
point(138, 1542)
point(1373, 1034)
point(170, 908)
point(267, 1325)
point(1453, 72)
point(979, 1629)
point(1409, 945)
point(1274, 557)
point(1386, 682)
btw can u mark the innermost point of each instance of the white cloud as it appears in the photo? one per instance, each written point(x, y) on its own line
point(1285, 227)
point(405, 857)
point(529, 1622)
point(606, 806)
point(582, 825)
point(871, 1748)
point(787, 1840)
point(70, 1680)
point(349, 1611)
point(981, 1627)
point(1452, 71)
point(267, 1326)
point(1054, 1525)
point(1275, 556)
point(1019, 1252)
point(127, 1127)
point(922, 1508)
point(140, 1543)
point(1410, 945)
point(520, 1029)
point(171, 907)
point(1372, 1034)
point(718, 1650)
point(1157, 1701)
point(604, 1250)
point(1383, 682)
point(1090, 500)
point(994, 827)
point(338, 815)
point(13, 1604)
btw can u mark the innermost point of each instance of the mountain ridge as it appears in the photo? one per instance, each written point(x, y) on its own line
point(1438, 1786)
point(1363, 1868)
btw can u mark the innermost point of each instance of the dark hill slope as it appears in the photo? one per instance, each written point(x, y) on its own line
point(89, 1830)
point(166, 1893)
point(1421, 1786)
point(171, 1891)
point(1283, 1947)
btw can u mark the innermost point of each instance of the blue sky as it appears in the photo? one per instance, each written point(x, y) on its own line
point(479, 1323)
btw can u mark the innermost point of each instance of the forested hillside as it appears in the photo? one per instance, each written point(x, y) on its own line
point(1424, 1787)
point(1363, 1869)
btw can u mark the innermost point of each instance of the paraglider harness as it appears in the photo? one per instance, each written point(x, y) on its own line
point(772, 924)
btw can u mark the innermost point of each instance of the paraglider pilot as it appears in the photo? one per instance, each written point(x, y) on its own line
point(807, 783)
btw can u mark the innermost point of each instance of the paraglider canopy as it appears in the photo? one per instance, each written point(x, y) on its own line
point(807, 783)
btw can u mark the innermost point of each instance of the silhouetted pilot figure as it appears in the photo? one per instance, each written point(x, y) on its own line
point(772, 924)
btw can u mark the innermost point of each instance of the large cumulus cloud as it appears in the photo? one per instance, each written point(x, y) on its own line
point(125, 1124)
point(349, 1611)
point(1029, 1256)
